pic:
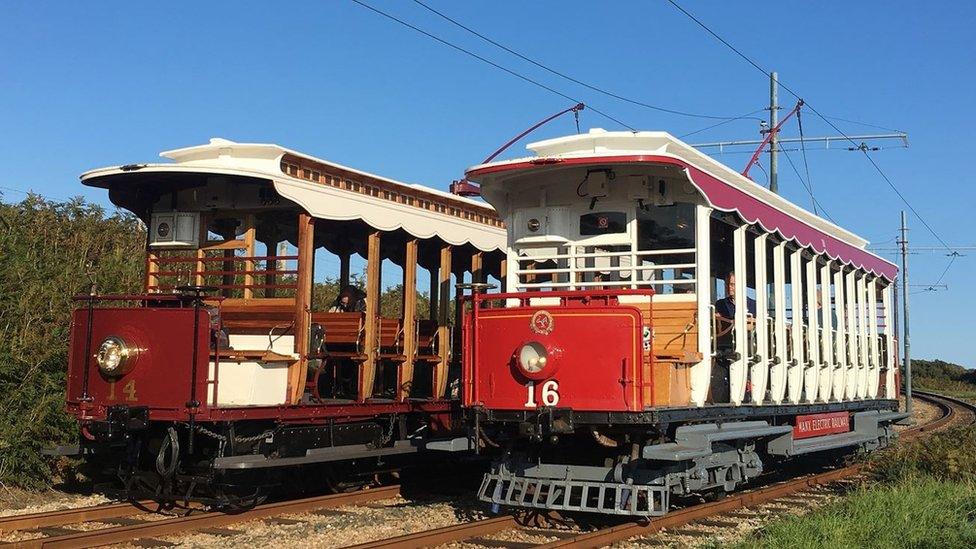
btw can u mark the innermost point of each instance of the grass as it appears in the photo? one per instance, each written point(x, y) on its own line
point(923, 495)
point(914, 512)
point(949, 387)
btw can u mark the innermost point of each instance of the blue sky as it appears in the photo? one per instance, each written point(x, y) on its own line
point(93, 84)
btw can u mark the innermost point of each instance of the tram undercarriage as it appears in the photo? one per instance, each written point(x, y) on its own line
point(628, 467)
point(240, 464)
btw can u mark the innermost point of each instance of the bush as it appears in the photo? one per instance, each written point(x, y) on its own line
point(50, 251)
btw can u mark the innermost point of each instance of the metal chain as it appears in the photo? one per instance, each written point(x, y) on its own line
point(389, 432)
point(223, 438)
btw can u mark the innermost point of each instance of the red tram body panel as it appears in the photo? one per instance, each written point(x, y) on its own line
point(159, 374)
point(594, 357)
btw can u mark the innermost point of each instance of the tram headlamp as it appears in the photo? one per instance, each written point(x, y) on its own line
point(532, 357)
point(114, 356)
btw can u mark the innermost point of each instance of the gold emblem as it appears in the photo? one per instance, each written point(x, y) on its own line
point(541, 323)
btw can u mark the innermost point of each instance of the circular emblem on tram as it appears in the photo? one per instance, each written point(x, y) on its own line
point(162, 229)
point(534, 224)
point(602, 222)
point(541, 323)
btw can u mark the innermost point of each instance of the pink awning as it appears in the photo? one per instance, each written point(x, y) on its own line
point(724, 196)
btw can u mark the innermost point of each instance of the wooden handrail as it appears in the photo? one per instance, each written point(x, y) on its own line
point(195, 259)
point(215, 273)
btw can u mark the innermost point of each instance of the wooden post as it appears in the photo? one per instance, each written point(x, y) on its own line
point(367, 373)
point(443, 328)
point(152, 267)
point(303, 305)
point(198, 279)
point(434, 287)
point(476, 273)
point(249, 235)
point(405, 373)
point(344, 269)
point(503, 276)
point(270, 265)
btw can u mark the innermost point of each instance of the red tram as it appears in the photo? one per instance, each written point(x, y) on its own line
point(232, 366)
point(624, 365)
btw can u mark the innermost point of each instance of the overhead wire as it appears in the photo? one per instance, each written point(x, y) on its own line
point(818, 113)
point(748, 115)
point(875, 126)
point(492, 63)
point(806, 185)
point(952, 259)
point(806, 165)
point(586, 85)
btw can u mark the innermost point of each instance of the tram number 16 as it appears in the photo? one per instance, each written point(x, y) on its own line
point(550, 394)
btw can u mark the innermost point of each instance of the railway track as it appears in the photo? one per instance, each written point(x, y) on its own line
point(127, 529)
point(127, 522)
point(955, 412)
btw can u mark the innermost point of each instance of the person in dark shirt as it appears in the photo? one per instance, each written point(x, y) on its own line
point(350, 300)
point(725, 311)
point(725, 307)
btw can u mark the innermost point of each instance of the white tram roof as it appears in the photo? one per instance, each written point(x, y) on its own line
point(325, 189)
point(724, 188)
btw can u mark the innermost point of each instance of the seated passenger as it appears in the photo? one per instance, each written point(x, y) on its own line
point(350, 300)
point(725, 311)
point(725, 307)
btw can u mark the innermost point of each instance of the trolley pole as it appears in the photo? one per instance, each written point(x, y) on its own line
point(906, 342)
point(773, 121)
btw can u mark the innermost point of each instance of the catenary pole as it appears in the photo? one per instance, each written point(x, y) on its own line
point(773, 121)
point(906, 342)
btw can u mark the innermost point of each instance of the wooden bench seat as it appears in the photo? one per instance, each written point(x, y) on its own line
point(344, 334)
point(391, 339)
point(427, 341)
point(257, 317)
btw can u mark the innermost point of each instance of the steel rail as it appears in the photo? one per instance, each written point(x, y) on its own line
point(121, 534)
point(63, 517)
point(446, 534)
point(600, 538)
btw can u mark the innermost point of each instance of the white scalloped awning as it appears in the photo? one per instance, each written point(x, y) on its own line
point(258, 160)
point(724, 188)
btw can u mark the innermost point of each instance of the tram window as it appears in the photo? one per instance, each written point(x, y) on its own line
point(603, 223)
point(666, 227)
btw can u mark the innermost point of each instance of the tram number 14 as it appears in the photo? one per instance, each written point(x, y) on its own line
point(550, 394)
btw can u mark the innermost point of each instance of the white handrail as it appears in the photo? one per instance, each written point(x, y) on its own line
point(606, 269)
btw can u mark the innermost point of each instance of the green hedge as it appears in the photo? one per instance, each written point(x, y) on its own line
point(50, 251)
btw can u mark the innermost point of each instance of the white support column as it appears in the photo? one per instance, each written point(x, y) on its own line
point(811, 377)
point(797, 364)
point(701, 373)
point(839, 376)
point(889, 358)
point(777, 372)
point(827, 328)
point(738, 369)
point(874, 359)
point(850, 377)
point(759, 373)
point(862, 335)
